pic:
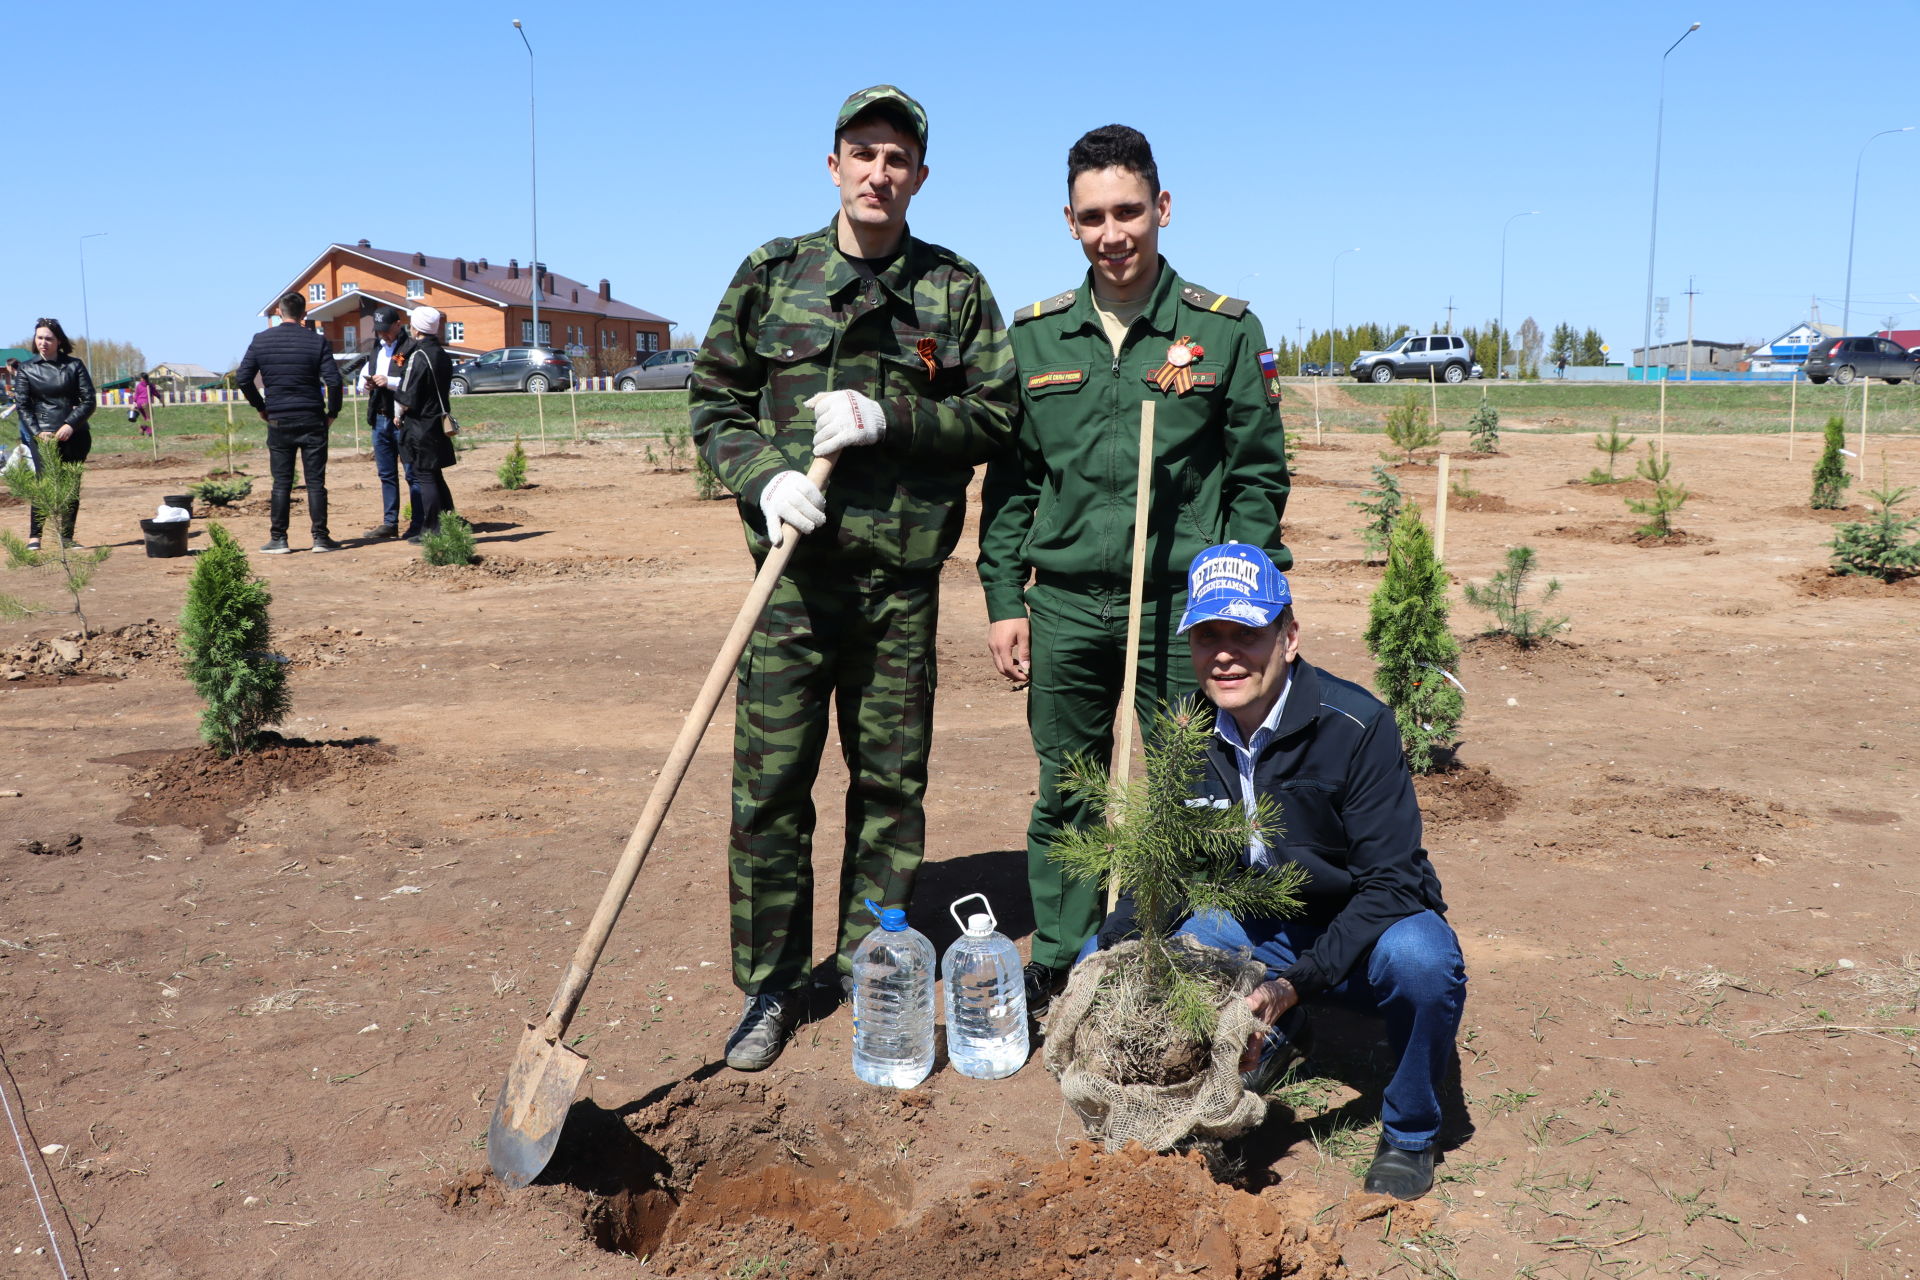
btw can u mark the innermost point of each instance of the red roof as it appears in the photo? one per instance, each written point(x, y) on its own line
point(492, 284)
point(1908, 338)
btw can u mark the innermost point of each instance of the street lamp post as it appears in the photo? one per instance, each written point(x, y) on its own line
point(1333, 297)
point(1500, 342)
point(1653, 232)
point(1853, 221)
point(533, 154)
point(86, 313)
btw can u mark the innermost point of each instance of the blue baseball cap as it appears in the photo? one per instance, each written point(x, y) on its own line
point(1234, 582)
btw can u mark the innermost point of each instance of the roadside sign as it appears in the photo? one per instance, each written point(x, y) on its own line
point(1605, 349)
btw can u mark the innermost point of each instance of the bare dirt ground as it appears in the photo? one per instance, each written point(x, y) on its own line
point(256, 1016)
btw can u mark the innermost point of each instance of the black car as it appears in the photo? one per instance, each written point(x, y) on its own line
point(1844, 359)
point(534, 369)
point(1312, 370)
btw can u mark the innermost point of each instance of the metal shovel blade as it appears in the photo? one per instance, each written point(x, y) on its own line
point(532, 1108)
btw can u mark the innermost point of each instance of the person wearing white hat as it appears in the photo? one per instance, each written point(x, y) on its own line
point(424, 405)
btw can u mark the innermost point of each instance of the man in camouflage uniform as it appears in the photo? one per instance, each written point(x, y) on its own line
point(860, 338)
point(1059, 505)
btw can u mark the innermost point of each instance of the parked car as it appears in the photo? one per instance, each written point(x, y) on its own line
point(1311, 370)
point(1478, 372)
point(1417, 355)
point(535, 369)
point(1844, 359)
point(672, 368)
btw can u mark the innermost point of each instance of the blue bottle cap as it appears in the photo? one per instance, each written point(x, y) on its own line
point(893, 919)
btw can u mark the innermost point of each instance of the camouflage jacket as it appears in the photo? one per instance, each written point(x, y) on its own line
point(924, 339)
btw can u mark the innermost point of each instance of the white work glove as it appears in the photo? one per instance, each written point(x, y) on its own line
point(792, 499)
point(842, 418)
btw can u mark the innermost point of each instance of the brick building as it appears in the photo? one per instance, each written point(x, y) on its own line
point(485, 305)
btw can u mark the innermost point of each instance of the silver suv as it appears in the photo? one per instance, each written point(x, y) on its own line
point(1418, 355)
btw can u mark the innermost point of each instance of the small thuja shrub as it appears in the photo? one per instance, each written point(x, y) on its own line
point(1382, 503)
point(1668, 495)
point(1409, 427)
point(225, 636)
point(1613, 444)
point(1483, 428)
point(1174, 857)
point(1408, 635)
point(1884, 547)
point(449, 542)
point(53, 491)
point(1504, 597)
point(513, 471)
point(1830, 478)
point(222, 492)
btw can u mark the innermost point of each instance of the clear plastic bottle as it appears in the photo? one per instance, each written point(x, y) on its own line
point(986, 998)
point(893, 1003)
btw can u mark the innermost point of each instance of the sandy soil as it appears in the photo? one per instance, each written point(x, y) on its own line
point(255, 1017)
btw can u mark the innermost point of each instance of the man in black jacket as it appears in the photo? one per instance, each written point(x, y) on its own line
point(381, 377)
point(301, 400)
point(1372, 934)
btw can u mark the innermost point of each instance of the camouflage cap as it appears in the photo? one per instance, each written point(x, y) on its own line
point(858, 102)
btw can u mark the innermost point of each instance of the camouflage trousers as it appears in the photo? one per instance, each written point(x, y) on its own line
point(861, 641)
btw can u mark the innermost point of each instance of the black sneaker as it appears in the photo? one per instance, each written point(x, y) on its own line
point(1404, 1175)
point(325, 544)
point(275, 547)
point(382, 531)
point(1042, 981)
point(765, 1025)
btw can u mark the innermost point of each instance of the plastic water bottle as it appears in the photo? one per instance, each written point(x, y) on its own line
point(986, 997)
point(893, 1003)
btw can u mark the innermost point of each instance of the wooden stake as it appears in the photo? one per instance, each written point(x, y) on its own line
point(1863, 430)
point(540, 404)
point(573, 403)
point(1440, 512)
point(1663, 411)
point(1793, 409)
point(1123, 721)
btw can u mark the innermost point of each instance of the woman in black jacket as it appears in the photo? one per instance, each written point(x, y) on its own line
point(422, 401)
point(55, 397)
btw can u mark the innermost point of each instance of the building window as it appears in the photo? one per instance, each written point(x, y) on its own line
point(416, 288)
point(349, 336)
point(649, 341)
point(526, 334)
point(316, 293)
point(456, 331)
point(351, 286)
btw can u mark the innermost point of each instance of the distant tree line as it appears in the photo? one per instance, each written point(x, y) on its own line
point(1523, 347)
point(108, 361)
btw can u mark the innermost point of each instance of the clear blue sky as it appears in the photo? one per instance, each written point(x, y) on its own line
point(222, 146)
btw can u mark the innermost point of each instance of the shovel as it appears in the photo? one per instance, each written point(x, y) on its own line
point(540, 1085)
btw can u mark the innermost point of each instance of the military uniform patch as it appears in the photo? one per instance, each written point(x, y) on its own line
point(1046, 306)
point(1270, 374)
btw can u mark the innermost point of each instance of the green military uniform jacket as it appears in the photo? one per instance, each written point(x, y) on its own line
point(924, 339)
point(1061, 502)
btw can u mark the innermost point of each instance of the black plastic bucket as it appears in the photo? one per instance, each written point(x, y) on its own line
point(166, 539)
point(182, 500)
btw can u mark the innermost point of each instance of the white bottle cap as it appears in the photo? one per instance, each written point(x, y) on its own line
point(979, 925)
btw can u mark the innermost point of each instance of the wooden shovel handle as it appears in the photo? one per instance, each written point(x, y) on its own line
point(1123, 721)
point(574, 985)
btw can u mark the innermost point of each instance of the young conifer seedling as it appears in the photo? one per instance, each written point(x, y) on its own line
point(1885, 546)
point(53, 491)
point(1409, 427)
point(1483, 428)
point(1613, 444)
point(226, 637)
point(1408, 635)
point(1669, 495)
point(1830, 478)
point(1382, 504)
point(513, 470)
point(1504, 596)
point(449, 542)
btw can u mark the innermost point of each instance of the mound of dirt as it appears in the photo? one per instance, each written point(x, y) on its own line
point(1504, 650)
point(139, 648)
point(498, 568)
point(1825, 515)
point(1825, 584)
point(1464, 793)
point(1623, 532)
point(133, 462)
point(323, 646)
point(1486, 502)
point(198, 787)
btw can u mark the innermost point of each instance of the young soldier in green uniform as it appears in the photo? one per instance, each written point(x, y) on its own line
point(861, 338)
point(1060, 503)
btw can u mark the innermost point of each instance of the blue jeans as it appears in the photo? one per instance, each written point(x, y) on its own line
point(1413, 976)
point(386, 462)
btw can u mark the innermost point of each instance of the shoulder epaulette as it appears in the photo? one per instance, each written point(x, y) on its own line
point(1204, 300)
point(773, 251)
point(1046, 307)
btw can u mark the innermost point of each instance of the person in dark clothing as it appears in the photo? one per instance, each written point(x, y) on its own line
point(423, 401)
point(300, 402)
point(53, 393)
point(381, 378)
point(1373, 933)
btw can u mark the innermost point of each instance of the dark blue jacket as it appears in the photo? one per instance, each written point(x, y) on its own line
point(297, 366)
point(1335, 767)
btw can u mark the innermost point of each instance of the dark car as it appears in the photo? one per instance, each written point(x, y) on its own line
point(671, 369)
point(1844, 359)
point(1312, 370)
point(535, 369)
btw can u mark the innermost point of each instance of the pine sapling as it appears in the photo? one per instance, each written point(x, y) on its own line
point(513, 471)
point(225, 635)
point(706, 481)
point(1483, 428)
point(1668, 495)
point(449, 542)
point(1412, 645)
point(1174, 856)
point(1383, 504)
point(1884, 547)
point(1613, 444)
point(221, 491)
point(1830, 478)
point(53, 491)
point(1462, 485)
point(1409, 428)
point(1503, 597)
point(675, 438)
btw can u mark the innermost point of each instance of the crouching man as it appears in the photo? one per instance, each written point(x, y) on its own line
point(1372, 934)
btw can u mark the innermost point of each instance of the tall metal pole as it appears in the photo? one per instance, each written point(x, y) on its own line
point(1333, 297)
point(86, 313)
point(533, 154)
point(1500, 343)
point(1853, 221)
point(1653, 230)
